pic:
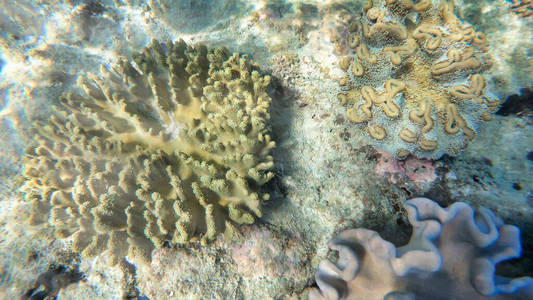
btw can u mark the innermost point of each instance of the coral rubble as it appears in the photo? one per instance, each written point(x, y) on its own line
point(414, 77)
point(170, 147)
point(452, 254)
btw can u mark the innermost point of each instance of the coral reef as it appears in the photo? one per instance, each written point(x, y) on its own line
point(452, 254)
point(45, 45)
point(170, 147)
point(414, 77)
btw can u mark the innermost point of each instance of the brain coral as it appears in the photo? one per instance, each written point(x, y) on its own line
point(172, 146)
point(414, 77)
point(452, 254)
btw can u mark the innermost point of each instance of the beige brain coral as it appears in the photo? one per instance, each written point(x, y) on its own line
point(173, 146)
point(414, 77)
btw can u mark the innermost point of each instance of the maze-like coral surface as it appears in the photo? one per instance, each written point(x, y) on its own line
point(170, 147)
point(414, 77)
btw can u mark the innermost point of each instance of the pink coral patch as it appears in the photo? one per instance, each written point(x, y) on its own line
point(412, 169)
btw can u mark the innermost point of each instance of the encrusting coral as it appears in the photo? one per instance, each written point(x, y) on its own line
point(170, 147)
point(414, 77)
point(452, 254)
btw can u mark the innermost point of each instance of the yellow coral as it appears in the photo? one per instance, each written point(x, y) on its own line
point(413, 77)
point(171, 147)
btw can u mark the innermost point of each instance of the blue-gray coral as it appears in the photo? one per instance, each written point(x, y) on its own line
point(452, 254)
point(170, 147)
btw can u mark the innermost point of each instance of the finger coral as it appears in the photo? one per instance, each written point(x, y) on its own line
point(452, 254)
point(414, 77)
point(170, 147)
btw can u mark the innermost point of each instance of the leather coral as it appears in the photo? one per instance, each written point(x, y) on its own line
point(452, 254)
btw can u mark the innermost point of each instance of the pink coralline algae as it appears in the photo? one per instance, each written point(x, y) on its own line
point(418, 171)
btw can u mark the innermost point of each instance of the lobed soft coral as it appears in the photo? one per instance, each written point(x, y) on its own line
point(452, 254)
point(414, 77)
point(170, 147)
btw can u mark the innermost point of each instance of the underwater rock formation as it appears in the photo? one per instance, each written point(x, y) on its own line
point(171, 147)
point(414, 77)
point(452, 254)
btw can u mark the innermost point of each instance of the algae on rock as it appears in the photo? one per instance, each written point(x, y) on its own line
point(171, 147)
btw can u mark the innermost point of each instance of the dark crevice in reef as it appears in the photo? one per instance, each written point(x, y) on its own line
point(518, 104)
point(522, 266)
point(130, 290)
point(281, 117)
point(388, 218)
point(440, 193)
point(529, 155)
point(49, 283)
